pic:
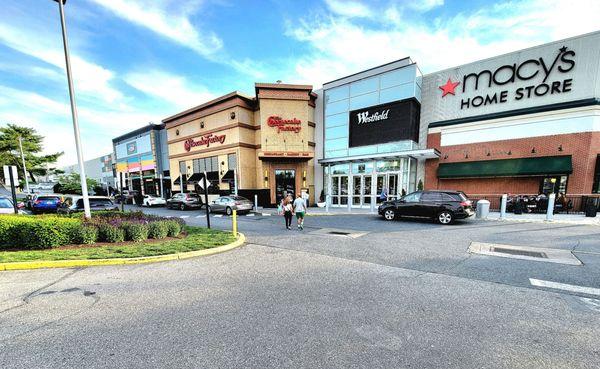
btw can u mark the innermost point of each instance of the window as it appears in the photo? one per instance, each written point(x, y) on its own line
point(336, 107)
point(210, 164)
point(5, 204)
point(340, 169)
point(364, 86)
point(362, 168)
point(431, 196)
point(182, 167)
point(413, 197)
point(364, 101)
point(336, 94)
point(596, 185)
point(231, 161)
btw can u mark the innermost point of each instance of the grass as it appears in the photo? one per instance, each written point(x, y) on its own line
point(197, 239)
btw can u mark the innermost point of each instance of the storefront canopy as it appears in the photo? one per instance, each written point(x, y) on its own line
point(547, 165)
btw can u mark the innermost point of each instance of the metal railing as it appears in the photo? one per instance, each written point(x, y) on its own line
point(574, 203)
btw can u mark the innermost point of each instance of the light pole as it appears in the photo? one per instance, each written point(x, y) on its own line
point(24, 168)
point(84, 191)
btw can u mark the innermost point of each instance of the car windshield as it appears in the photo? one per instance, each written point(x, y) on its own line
point(5, 203)
point(239, 198)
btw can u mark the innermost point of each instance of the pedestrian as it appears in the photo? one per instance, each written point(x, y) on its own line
point(280, 206)
point(287, 212)
point(300, 209)
point(383, 196)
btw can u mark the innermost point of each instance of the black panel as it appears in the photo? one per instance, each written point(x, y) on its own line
point(383, 123)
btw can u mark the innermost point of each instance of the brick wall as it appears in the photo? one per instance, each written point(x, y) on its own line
point(583, 147)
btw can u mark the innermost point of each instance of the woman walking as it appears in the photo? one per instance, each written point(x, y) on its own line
point(288, 212)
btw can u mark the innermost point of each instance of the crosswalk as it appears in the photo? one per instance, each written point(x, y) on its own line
point(221, 215)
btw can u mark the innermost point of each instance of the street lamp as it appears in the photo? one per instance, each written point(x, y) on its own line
point(84, 191)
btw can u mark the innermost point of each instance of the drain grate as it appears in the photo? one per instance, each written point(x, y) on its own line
point(533, 254)
point(339, 233)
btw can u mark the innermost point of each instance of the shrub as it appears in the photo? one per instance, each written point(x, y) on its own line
point(158, 230)
point(135, 231)
point(41, 232)
point(110, 233)
point(174, 228)
point(85, 235)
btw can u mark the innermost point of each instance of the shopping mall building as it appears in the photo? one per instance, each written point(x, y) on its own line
point(526, 122)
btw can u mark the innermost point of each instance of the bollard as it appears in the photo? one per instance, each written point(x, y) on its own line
point(255, 202)
point(503, 206)
point(234, 219)
point(550, 210)
point(327, 201)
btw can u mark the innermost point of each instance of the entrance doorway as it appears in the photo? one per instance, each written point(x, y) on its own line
point(285, 183)
point(389, 182)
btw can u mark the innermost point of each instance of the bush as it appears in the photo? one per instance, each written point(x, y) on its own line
point(135, 231)
point(85, 235)
point(158, 230)
point(174, 228)
point(110, 233)
point(43, 232)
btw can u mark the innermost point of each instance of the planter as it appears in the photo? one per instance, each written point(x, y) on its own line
point(321, 204)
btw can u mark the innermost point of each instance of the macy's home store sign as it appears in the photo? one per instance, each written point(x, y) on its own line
point(546, 76)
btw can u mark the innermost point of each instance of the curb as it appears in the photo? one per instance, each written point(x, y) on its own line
point(542, 221)
point(23, 265)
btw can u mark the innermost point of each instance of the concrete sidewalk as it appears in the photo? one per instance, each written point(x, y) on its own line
point(316, 211)
point(541, 218)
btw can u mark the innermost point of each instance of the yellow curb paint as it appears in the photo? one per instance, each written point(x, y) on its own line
point(21, 265)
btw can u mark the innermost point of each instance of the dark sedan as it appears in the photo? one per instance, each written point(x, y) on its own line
point(184, 201)
point(73, 204)
point(441, 206)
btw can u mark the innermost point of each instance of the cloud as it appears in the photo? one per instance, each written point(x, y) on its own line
point(168, 87)
point(342, 46)
point(168, 20)
point(349, 9)
point(89, 78)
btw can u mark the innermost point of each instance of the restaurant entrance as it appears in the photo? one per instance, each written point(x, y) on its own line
point(285, 183)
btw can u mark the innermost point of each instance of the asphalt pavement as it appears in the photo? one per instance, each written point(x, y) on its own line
point(386, 295)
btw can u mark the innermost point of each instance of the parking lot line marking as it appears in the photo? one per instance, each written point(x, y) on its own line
point(218, 216)
point(565, 287)
point(249, 215)
point(266, 214)
point(184, 216)
point(199, 216)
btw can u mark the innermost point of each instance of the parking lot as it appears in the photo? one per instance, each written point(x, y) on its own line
point(349, 290)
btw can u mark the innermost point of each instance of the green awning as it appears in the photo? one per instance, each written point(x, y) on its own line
point(546, 165)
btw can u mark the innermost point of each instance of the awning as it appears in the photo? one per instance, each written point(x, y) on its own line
point(228, 176)
point(547, 165)
point(420, 154)
point(195, 177)
point(177, 180)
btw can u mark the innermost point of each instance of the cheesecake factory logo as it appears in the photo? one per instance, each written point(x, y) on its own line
point(205, 141)
point(529, 69)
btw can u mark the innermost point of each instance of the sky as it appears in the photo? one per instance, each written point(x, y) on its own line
point(136, 62)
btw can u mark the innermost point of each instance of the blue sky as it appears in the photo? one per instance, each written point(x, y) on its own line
point(139, 61)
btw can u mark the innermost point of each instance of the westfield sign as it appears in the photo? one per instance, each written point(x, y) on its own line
point(366, 117)
point(289, 125)
point(203, 141)
point(540, 69)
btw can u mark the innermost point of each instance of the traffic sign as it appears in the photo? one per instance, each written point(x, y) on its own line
point(7, 174)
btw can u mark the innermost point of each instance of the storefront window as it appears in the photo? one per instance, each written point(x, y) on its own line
point(340, 169)
point(231, 161)
point(388, 166)
point(556, 184)
point(596, 185)
point(362, 168)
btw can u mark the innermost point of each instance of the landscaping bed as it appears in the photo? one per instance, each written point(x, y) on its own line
point(106, 235)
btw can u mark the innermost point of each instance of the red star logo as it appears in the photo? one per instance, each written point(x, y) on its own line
point(449, 87)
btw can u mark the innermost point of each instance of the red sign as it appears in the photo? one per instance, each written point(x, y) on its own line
point(449, 87)
point(204, 141)
point(292, 125)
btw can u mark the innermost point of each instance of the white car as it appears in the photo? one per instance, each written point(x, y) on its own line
point(151, 201)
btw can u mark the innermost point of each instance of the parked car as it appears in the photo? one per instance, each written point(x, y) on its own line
point(150, 201)
point(29, 200)
point(46, 204)
point(441, 206)
point(73, 204)
point(6, 205)
point(227, 204)
point(126, 196)
point(184, 201)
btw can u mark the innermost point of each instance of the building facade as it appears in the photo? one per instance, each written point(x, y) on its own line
point(373, 141)
point(527, 122)
point(141, 161)
point(99, 169)
point(261, 145)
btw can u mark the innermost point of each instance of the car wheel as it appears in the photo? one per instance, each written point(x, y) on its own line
point(228, 211)
point(445, 217)
point(182, 207)
point(389, 214)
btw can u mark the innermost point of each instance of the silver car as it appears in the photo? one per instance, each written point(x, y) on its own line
point(227, 204)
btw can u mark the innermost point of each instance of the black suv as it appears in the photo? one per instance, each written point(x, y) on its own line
point(441, 206)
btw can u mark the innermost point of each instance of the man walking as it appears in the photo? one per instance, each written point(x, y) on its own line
point(300, 210)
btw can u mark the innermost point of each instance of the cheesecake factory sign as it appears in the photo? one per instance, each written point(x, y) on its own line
point(204, 141)
point(548, 77)
point(284, 125)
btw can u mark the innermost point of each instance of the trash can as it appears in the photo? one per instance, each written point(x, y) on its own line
point(590, 208)
point(483, 209)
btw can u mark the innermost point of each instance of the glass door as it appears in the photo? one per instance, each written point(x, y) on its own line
point(285, 183)
point(344, 190)
point(335, 191)
point(357, 190)
point(367, 180)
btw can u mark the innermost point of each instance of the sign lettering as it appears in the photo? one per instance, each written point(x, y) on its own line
point(205, 140)
point(290, 125)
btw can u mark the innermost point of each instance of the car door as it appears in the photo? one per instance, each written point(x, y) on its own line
point(409, 204)
point(430, 204)
point(220, 204)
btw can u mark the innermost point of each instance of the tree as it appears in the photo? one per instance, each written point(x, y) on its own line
point(70, 183)
point(10, 153)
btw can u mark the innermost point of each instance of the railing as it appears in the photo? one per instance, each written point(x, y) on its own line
point(576, 202)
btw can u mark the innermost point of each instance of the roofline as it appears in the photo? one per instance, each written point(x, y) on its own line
point(208, 104)
point(370, 69)
point(149, 127)
point(282, 86)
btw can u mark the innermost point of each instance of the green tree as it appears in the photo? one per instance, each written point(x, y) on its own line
point(70, 183)
point(10, 154)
